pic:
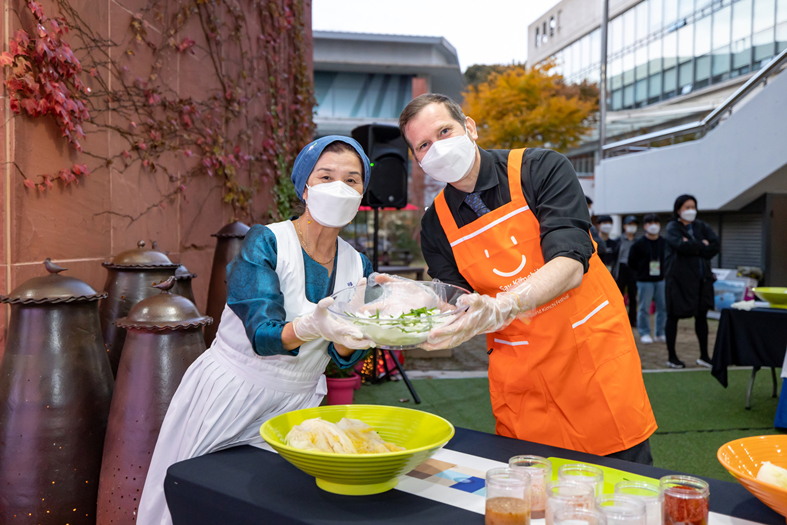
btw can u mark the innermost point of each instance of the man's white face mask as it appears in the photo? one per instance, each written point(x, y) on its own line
point(333, 204)
point(605, 227)
point(449, 160)
point(631, 228)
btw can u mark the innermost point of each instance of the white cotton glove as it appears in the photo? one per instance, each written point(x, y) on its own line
point(484, 315)
point(321, 323)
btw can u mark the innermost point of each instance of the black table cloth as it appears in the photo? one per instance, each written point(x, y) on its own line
point(246, 485)
point(755, 338)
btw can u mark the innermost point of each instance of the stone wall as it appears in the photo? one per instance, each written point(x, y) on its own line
point(81, 226)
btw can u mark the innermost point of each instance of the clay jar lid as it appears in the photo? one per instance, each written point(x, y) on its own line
point(52, 289)
point(233, 229)
point(140, 258)
point(165, 311)
point(183, 274)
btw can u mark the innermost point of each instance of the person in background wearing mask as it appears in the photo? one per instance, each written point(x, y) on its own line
point(607, 247)
point(276, 336)
point(513, 226)
point(593, 229)
point(691, 244)
point(646, 259)
point(625, 276)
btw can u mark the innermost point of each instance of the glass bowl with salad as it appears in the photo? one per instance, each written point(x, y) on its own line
point(397, 313)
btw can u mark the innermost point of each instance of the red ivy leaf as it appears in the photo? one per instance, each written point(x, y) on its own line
point(29, 183)
point(93, 72)
point(187, 153)
point(6, 58)
point(126, 154)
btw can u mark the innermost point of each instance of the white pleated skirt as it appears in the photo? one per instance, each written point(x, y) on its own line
point(221, 402)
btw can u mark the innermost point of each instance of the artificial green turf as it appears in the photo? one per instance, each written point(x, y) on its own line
point(695, 414)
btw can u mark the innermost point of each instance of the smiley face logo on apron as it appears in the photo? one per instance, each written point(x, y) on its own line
point(511, 273)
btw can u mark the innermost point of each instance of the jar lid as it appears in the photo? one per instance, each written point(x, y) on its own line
point(51, 289)
point(234, 229)
point(165, 311)
point(182, 274)
point(141, 258)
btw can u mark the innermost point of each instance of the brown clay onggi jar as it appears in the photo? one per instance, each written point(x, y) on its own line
point(164, 337)
point(230, 238)
point(129, 279)
point(55, 386)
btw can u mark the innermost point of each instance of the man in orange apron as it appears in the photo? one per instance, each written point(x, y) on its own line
point(513, 225)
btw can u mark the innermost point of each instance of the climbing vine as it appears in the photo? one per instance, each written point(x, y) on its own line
point(255, 114)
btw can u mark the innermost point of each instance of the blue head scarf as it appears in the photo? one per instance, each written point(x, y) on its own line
point(307, 158)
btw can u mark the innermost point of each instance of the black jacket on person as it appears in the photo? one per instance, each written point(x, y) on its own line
point(688, 275)
point(608, 251)
point(642, 252)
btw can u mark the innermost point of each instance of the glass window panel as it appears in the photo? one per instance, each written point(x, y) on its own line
point(685, 72)
point(642, 20)
point(702, 36)
point(567, 61)
point(781, 11)
point(595, 47)
point(616, 73)
point(781, 37)
point(670, 80)
point(741, 20)
point(699, 4)
point(670, 11)
point(763, 45)
point(721, 27)
point(655, 15)
point(594, 75)
point(628, 96)
point(654, 56)
point(641, 58)
point(585, 48)
point(703, 68)
point(616, 34)
point(617, 99)
point(575, 56)
point(654, 85)
point(641, 91)
point(741, 53)
point(628, 68)
point(685, 43)
point(670, 49)
point(721, 61)
point(628, 28)
point(685, 8)
point(763, 14)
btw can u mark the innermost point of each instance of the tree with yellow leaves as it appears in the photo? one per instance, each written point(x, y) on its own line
point(531, 108)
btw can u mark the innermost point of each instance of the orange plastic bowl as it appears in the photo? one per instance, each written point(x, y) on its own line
point(743, 459)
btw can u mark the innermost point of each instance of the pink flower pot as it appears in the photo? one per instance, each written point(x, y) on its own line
point(340, 390)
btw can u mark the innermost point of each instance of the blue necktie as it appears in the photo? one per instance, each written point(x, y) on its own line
point(474, 201)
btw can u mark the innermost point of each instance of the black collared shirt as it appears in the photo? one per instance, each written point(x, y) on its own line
point(552, 191)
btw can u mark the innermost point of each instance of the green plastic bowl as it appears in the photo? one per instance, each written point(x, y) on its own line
point(777, 297)
point(420, 433)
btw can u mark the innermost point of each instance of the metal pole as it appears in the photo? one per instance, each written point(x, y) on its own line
point(602, 103)
point(374, 249)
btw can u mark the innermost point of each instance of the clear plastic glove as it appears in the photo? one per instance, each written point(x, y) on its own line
point(484, 315)
point(401, 295)
point(743, 305)
point(321, 323)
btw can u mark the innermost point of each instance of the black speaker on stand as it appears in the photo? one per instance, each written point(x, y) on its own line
point(387, 152)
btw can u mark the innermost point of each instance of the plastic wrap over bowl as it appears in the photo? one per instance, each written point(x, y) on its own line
point(398, 314)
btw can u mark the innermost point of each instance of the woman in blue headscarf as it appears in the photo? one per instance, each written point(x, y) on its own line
point(275, 337)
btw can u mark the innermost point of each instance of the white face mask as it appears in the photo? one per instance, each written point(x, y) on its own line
point(631, 228)
point(449, 160)
point(688, 215)
point(605, 228)
point(333, 204)
point(590, 210)
point(653, 228)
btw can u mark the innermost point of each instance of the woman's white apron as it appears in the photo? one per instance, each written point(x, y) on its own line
point(230, 391)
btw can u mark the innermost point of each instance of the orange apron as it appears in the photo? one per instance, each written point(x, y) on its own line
point(572, 377)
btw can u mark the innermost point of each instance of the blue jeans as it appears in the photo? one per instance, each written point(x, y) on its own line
point(647, 292)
